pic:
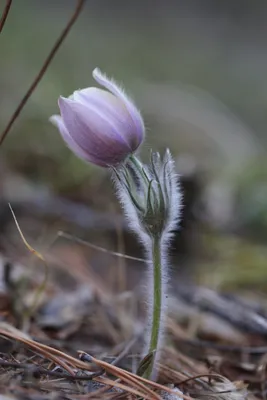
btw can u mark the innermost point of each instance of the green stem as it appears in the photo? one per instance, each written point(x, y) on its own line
point(157, 306)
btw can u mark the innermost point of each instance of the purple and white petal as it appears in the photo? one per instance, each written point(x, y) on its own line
point(100, 126)
point(111, 85)
point(73, 146)
point(93, 132)
point(111, 108)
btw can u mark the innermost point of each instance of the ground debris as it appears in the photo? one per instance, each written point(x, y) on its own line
point(215, 347)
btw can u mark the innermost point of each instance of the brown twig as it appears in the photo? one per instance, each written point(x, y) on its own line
point(5, 14)
point(39, 370)
point(193, 378)
point(42, 71)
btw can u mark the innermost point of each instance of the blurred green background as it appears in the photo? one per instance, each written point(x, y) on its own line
point(197, 70)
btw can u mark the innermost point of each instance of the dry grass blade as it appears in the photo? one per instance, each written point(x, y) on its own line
point(119, 385)
point(126, 376)
point(42, 286)
point(42, 71)
point(5, 14)
point(193, 378)
point(49, 352)
point(29, 247)
point(137, 385)
point(99, 248)
point(135, 380)
point(37, 348)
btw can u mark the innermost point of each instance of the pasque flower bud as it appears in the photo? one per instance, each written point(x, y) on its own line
point(100, 126)
point(150, 194)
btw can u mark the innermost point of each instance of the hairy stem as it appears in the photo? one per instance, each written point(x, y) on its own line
point(157, 304)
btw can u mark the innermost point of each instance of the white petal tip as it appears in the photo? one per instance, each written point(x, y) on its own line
point(96, 72)
point(62, 99)
point(54, 119)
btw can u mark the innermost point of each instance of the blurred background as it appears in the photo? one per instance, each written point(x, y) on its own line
point(197, 70)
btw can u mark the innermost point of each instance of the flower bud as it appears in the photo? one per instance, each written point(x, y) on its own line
point(100, 126)
point(150, 194)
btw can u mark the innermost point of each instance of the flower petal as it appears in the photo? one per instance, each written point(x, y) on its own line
point(91, 121)
point(73, 146)
point(93, 133)
point(112, 109)
point(117, 91)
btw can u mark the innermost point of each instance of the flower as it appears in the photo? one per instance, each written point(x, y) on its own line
point(100, 126)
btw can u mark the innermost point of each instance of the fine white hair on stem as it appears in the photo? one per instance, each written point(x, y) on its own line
point(151, 199)
point(175, 205)
point(150, 298)
point(130, 211)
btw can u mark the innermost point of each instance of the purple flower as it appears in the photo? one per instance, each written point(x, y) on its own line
point(100, 126)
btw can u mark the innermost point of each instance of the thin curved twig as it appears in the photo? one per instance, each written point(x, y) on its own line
point(42, 71)
point(5, 14)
